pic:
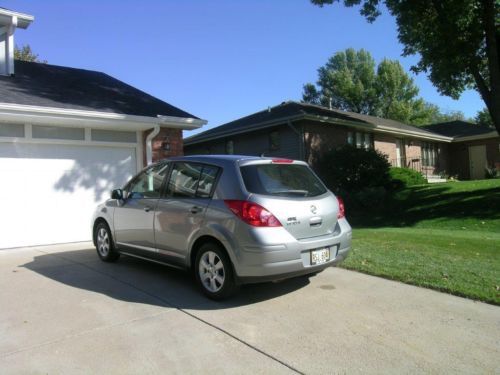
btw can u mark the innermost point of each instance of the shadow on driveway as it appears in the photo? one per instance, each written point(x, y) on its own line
point(137, 281)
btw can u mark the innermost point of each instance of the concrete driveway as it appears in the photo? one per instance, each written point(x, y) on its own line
point(64, 311)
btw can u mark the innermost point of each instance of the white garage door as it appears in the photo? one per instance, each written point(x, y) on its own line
point(48, 192)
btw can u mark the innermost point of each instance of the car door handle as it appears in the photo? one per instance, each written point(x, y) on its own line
point(195, 209)
point(147, 209)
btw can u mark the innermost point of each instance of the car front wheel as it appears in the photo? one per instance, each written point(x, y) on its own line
point(214, 272)
point(104, 244)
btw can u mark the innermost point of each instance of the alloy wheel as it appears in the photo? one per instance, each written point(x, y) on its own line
point(103, 242)
point(211, 271)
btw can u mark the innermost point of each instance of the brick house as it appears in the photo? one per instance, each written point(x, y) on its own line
point(304, 131)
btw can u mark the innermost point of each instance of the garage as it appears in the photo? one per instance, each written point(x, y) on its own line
point(67, 137)
point(49, 191)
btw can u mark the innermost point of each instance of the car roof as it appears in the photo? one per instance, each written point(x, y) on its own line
point(225, 160)
point(217, 158)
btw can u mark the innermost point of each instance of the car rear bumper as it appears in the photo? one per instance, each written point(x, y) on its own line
point(279, 271)
point(280, 261)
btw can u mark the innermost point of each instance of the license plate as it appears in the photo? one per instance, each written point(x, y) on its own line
point(320, 256)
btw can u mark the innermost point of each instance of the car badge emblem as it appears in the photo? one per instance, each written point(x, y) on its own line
point(314, 209)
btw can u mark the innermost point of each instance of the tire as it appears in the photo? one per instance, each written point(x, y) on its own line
point(104, 243)
point(214, 272)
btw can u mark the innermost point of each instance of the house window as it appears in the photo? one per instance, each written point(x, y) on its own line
point(274, 140)
point(429, 154)
point(12, 130)
point(55, 132)
point(350, 138)
point(113, 136)
point(229, 147)
point(360, 140)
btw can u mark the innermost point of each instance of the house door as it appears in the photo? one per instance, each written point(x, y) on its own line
point(400, 153)
point(477, 162)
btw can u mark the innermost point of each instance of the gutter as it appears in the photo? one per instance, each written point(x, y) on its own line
point(492, 134)
point(380, 128)
point(18, 113)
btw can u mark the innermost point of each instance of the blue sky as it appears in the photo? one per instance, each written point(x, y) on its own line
point(219, 59)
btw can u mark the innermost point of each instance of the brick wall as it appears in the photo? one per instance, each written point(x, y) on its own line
point(173, 137)
point(413, 149)
point(386, 144)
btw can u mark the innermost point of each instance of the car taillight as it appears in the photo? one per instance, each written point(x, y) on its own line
point(341, 213)
point(252, 213)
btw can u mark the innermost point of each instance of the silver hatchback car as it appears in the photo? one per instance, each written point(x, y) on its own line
point(231, 219)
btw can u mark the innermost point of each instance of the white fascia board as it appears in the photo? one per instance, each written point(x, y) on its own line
point(478, 137)
point(415, 134)
point(77, 118)
point(23, 20)
point(382, 129)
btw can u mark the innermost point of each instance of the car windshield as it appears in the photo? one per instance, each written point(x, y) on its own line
point(288, 180)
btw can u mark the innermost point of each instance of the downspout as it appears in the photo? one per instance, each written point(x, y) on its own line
point(149, 146)
point(300, 133)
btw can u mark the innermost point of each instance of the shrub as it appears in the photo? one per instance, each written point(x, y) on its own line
point(348, 170)
point(369, 197)
point(492, 172)
point(403, 177)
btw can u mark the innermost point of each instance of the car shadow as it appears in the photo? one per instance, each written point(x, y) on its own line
point(139, 281)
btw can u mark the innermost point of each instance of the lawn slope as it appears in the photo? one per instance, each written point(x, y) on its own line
point(442, 236)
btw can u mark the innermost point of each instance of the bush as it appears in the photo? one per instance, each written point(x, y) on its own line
point(349, 171)
point(492, 172)
point(404, 177)
point(369, 197)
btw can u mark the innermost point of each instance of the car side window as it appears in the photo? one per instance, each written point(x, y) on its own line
point(191, 180)
point(207, 181)
point(148, 183)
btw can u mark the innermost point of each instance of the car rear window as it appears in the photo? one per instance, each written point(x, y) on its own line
point(288, 180)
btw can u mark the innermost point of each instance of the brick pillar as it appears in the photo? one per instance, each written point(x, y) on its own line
point(167, 143)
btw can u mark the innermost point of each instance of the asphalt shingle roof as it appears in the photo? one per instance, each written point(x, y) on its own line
point(458, 129)
point(292, 109)
point(48, 85)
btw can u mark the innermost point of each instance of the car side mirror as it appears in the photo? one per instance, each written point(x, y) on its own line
point(117, 194)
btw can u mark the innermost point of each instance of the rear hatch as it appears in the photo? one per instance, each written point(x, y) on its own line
point(294, 195)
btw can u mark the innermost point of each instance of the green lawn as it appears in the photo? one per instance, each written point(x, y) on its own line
point(440, 236)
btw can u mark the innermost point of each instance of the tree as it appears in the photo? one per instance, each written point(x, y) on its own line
point(458, 42)
point(349, 81)
point(26, 54)
point(483, 118)
point(436, 115)
point(346, 82)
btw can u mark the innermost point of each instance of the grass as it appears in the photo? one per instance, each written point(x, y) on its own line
point(441, 236)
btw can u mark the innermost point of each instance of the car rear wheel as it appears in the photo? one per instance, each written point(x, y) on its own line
point(214, 272)
point(104, 244)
